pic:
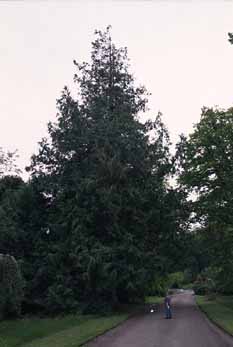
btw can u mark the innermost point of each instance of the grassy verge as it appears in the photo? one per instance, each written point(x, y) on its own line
point(219, 310)
point(68, 331)
point(60, 332)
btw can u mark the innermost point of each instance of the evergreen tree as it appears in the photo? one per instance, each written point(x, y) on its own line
point(104, 174)
point(23, 230)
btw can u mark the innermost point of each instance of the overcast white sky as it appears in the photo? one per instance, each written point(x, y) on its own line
point(178, 50)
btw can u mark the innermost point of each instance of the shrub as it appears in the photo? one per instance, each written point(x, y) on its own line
point(161, 285)
point(175, 280)
point(200, 288)
point(158, 287)
point(205, 283)
point(11, 287)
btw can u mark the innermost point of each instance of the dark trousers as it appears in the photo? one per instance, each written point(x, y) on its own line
point(168, 312)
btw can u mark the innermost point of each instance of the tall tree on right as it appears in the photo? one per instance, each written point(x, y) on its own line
point(206, 172)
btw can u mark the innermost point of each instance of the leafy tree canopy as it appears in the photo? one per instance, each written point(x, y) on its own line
point(206, 171)
point(206, 163)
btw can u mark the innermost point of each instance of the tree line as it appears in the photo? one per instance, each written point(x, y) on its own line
point(99, 222)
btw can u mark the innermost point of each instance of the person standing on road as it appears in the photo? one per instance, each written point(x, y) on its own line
point(167, 304)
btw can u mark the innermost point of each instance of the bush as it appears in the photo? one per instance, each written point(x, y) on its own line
point(200, 288)
point(158, 287)
point(175, 280)
point(205, 283)
point(189, 277)
point(11, 287)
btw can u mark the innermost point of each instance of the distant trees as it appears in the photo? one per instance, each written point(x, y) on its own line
point(11, 280)
point(23, 228)
point(11, 287)
point(7, 162)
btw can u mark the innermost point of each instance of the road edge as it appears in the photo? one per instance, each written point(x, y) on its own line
point(84, 344)
point(214, 325)
point(131, 315)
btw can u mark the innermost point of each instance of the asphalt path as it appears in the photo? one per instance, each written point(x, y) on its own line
point(188, 328)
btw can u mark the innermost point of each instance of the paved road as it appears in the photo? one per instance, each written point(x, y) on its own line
point(189, 328)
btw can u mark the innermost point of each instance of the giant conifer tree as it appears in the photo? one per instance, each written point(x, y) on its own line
point(104, 174)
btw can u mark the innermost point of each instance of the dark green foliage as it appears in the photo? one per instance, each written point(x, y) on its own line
point(104, 174)
point(206, 163)
point(22, 229)
point(197, 255)
point(205, 283)
point(158, 287)
point(200, 288)
point(11, 287)
point(230, 37)
point(20, 212)
point(161, 285)
point(176, 280)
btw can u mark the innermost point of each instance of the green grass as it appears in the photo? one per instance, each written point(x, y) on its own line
point(219, 310)
point(66, 331)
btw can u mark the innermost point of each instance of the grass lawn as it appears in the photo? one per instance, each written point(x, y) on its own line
point(59, 332)
point(68, 331)
point(219, 310)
